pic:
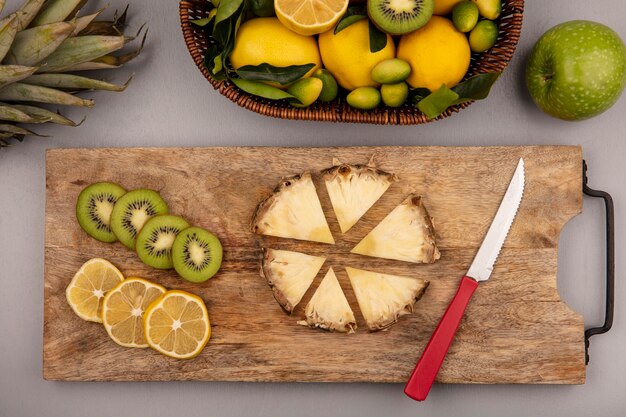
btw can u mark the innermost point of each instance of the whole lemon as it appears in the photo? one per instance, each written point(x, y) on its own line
point(266, 40)
point(444, 7)
point(347, 55)
point(438, 54)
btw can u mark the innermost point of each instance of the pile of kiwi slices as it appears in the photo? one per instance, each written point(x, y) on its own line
point(140, 219)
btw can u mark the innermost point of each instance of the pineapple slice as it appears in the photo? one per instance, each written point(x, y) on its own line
point(353, 189)
point(383, 298)
point(406, 234)
point(293, 211)
point(329, 308)
point(289, 275)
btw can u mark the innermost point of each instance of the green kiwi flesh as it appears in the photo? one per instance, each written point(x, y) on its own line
point(93, 209)
point(155, 240)
point(197, 254)
point(398, 17)
point(132, 211)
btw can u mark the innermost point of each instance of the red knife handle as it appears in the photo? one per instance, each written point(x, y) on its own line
point(429, 363)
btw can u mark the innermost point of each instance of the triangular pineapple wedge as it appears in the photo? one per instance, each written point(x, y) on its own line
point(406, 234)
point(329, 308)
point(353, 189)
point(293, 211)
point(383, 298)
point(289, 274)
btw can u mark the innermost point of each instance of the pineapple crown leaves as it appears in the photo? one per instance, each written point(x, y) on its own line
point(42, 46)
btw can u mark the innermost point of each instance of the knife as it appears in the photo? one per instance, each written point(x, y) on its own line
point(429, 363)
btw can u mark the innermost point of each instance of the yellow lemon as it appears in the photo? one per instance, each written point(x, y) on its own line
point(123, 310)
point(347, 55)
point(266, 40)
point(444, 7)
point(438, 54)
point(86, 291)
point(177, 325)
point(310, 17)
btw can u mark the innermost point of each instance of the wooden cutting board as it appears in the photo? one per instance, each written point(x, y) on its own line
point(516, 329)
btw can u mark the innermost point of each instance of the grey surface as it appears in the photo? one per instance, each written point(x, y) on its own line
point(170, 104)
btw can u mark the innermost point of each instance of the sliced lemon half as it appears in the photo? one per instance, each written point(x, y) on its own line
point(87, 289)
point(123, 310)
point(177, 325)
point(310, 17)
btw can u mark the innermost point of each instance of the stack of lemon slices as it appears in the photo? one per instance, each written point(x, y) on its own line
point(139, 313)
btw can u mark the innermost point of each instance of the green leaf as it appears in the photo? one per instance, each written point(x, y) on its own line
point(228, 48)
point(378, 39)
point(226, 9)
point(263, 90)
point(437, 102)
point(209, 58)
point(352, 15)
point(261, 8)
point(218, 65)
point(220, 76)
point(267, 72)
point(201, 22)
point(224, 32)
point(476, 87)
point(417, 94)
point(344, 23)
point(227, 20)
point(221, 32)
point(237, 24)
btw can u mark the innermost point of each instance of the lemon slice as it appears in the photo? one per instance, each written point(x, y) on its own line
point(87, 289)
point(310, 17)
point(123, 309)
point(177, 325)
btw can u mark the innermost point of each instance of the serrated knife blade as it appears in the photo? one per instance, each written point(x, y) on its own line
point(482, 266)
point(423, 376)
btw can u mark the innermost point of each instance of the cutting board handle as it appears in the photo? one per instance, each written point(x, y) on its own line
point(610, 261)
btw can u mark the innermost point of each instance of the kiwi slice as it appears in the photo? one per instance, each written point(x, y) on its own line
point(132, 211)
point(197, 254)
point(155, 240)
point(93, 209)
point(397, 17)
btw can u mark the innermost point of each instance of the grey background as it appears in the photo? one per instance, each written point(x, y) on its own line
point(170, 104)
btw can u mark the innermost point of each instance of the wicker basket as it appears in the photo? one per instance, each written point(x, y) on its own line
point(496, 59)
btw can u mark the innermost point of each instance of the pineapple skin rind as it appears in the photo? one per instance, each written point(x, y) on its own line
point(315, 320)
point(358, 169)
point(264, 205)
point(343, 172)
point(266, 272)
point(431, 253)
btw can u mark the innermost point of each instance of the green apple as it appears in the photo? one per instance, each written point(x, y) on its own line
point(577, 70)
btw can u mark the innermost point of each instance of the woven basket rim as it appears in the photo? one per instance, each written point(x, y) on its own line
point(496, 59)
